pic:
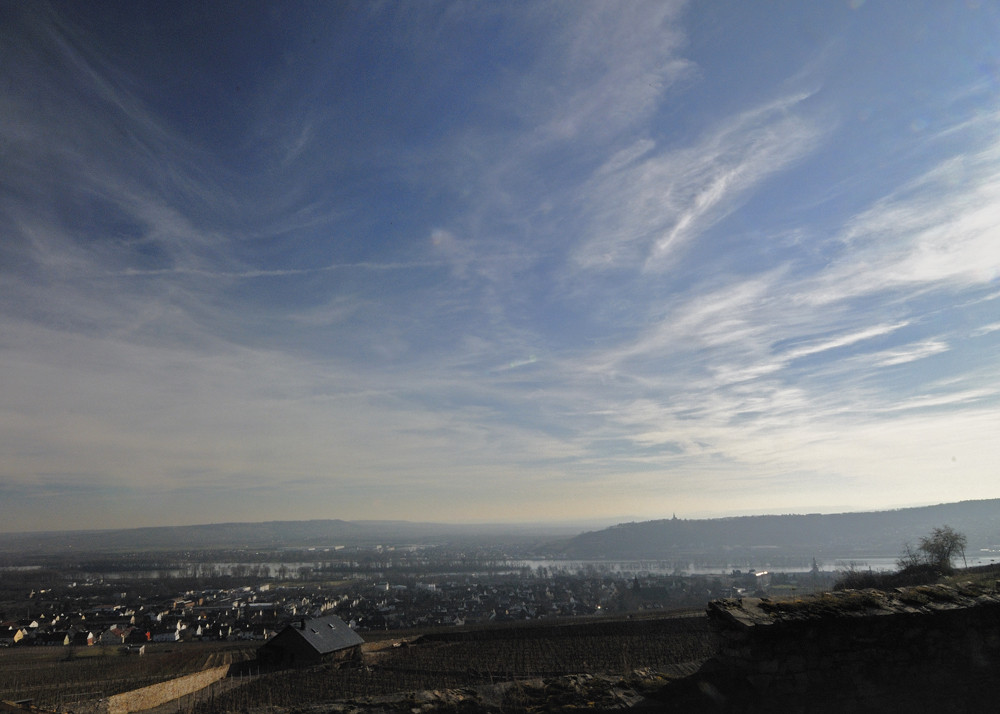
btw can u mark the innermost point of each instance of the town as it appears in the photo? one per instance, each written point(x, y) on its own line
point(114, 603)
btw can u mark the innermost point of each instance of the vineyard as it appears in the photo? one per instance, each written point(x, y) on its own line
point(486, 656)
point(64, 679)
point(60, 678)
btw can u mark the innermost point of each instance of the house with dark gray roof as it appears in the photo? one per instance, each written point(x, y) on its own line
point(311, 640)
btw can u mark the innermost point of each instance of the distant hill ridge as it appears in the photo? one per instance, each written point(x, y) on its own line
point(836, 535)
point(270, 535)
point(831, 535)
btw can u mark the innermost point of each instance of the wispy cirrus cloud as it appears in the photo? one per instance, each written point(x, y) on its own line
point(282, 272)
point(645, 204)
point(938, 229)
point(908, 353)
point(604, 72)
point(986, 329)
point(778, 370)
point(486, 256)
point(843, 340)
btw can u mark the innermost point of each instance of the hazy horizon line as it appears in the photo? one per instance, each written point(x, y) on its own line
point(518, 525)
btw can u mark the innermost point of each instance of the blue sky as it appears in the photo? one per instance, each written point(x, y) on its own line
point(502, 261)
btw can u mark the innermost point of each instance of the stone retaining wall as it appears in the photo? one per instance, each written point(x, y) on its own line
point(925, 648)
point(157, 694)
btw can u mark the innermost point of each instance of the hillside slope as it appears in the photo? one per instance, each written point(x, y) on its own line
point(830, 535)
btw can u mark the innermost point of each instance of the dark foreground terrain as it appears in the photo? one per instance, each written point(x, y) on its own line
point(930, 647)
point(71, 678)
point(596, 663)
point(538, 662)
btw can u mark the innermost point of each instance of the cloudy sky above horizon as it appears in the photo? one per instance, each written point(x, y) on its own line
point(501, 261)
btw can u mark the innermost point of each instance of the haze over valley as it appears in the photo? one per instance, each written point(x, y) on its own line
point(787, 541)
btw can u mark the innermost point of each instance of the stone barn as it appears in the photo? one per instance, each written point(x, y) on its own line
point(311, 640)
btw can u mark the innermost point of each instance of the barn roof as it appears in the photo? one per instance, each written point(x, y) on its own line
point(325, 634)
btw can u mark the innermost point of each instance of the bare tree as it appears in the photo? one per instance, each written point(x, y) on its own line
point(911, 558)
point(943, 545)
point(935, 552)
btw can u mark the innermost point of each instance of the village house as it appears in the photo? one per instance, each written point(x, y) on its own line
point(310, 641)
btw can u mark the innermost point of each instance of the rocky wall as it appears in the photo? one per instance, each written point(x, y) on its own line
point(927, 648)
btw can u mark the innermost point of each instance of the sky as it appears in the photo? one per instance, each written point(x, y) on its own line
point(496, 261)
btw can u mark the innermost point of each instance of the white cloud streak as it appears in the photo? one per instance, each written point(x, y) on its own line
point(645, 205)
point(909, 353)
point(938, 230)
